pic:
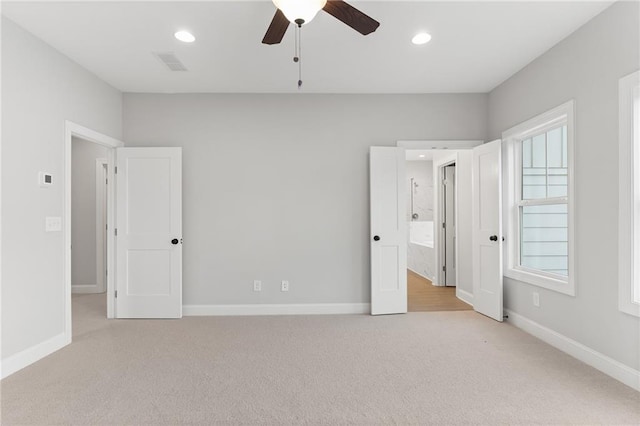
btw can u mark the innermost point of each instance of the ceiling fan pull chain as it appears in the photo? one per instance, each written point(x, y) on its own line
point(299, 58)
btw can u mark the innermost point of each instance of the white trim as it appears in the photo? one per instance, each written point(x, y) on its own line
point(628, 169)
point(465, 296)
point(438, 233)
point(418, 273)
point(276, 309)
point(85, 289)
point(70, 130)
point(35, 353)
point(597, 360)
point(102, 165)
point(554, 117)
point(439, 144)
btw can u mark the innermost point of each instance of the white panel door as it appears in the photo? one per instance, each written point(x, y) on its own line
point(388, 231)
point(149, 233)
point(487, 229)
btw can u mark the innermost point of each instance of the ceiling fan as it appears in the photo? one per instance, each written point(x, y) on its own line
point(301, 12)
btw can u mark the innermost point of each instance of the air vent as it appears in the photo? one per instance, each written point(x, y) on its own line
point(170, 60)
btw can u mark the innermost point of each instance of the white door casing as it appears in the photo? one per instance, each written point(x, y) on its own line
point(450, 229)
point(388, 231)
point(149, 233)
point(487, 229)
point(101, 223)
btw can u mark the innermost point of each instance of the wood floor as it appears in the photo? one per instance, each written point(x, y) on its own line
point(425, 297)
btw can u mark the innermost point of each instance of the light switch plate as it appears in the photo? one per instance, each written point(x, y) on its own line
point(53, 224)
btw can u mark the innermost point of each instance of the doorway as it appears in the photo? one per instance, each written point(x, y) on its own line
point(89, 224)
point(92, 139)
point(478, 262)
point(432, 221)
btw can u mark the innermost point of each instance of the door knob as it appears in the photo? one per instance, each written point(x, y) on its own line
point(493, 238)
point(376, 238)
point(175, 241)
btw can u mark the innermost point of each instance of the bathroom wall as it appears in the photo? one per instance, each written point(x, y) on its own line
point(422, 173)
point(420, 259)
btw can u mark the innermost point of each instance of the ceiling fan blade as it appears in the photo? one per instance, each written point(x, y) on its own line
point(276, 30)
point(351, 16)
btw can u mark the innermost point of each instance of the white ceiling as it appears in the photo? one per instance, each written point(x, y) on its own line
point(475, 45)
point(421, 154)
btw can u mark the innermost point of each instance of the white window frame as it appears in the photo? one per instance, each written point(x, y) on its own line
point(512, 138)
point(629, 195)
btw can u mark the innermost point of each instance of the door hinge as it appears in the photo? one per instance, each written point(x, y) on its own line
point(444, 269)
point(116, 293)
point(444, 225)
point(115, 170)
point(106, 227)
point(116, 232)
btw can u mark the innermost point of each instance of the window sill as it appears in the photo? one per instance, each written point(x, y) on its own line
point(630, 308)
point(559, 285)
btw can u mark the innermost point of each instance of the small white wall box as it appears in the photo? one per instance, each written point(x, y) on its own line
point(45, 179)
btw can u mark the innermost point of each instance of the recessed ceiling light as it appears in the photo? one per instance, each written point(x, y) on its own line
point(421, 38)
point(185, 36)
point(421, 156)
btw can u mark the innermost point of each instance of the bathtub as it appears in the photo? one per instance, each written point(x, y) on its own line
point(421, 233)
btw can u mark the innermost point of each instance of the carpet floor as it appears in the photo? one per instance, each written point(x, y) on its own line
point(419, 368)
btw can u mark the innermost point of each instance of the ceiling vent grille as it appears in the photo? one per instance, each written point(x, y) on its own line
point(170, 60)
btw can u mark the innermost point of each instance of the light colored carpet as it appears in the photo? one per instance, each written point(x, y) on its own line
point(419, 368)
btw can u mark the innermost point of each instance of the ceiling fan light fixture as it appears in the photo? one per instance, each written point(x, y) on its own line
point(300, 10)
point(421, 38)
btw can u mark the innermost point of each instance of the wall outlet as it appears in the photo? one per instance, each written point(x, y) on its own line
point(53, 224)
point(285, 286)
point(257, 285)
point(536, 299)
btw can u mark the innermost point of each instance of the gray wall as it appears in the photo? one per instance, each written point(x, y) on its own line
point(83, 210)
point(41, 89)
point(586, 67)
point(276, 186)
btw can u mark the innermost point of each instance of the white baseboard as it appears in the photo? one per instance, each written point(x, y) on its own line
point(465, 296)
point(277, 309)
point(29, 356)
point(423, 276)
point(86, 289)
point(607, 365)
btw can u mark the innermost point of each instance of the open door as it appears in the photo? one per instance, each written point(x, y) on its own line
point(449, 184)
point(149, 233)
point(388, 231)
point(487, 229)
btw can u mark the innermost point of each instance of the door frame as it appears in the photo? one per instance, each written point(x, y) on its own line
point(102, 179)
point(439, 233)
point(72, 129)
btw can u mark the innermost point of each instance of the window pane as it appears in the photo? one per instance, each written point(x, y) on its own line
point(554, 147)
point(539, 151)
point(544, 238)
point(565, 155)
point(544, 165)
point(526, 153)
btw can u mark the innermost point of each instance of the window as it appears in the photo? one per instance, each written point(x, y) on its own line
point(539, 200)
point(629, 195)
